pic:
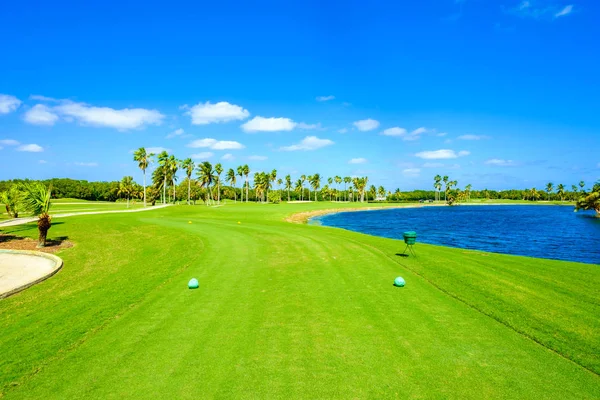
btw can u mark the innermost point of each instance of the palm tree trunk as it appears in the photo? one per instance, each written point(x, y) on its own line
point(219, 191)
point(44, 224)
point(189, 188)
point(144, 188)
point(247, 187)
point(165, 190)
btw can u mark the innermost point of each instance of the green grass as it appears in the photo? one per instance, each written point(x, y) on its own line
point(292, 311)
point(64, 206)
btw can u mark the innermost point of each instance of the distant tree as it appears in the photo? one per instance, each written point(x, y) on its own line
point(303, 179)
point(240, 173)
point(126, 188)
point(582, 185)
point(560, 191)
point(172, 171)
point(247, 174)
point(163, 171)
point(298, 187)
point(206, 177)
point(315, 182)
point(12, 200)
point(437, 186)
point(279, 182)
point(445, 179)
point(347, 180)
point(338, 181)
point(218, 172)
point(381, 192)
point(288, 185)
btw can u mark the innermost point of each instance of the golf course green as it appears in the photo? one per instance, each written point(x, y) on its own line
point(288, 310)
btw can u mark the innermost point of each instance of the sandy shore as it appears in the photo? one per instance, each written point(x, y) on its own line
point(303, 217)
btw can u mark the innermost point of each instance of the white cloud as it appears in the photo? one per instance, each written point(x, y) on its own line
point(325, 98)
point(441, 134)
point(395, 131)
point(40, 114)
point(441, 154)
point(306, 126)
point(43, 162)
point(308, 143)
point(126, 118)
point(175, 133)
point(215, 144)
point(257, 158)
point(414, 135)
point(343, 130)
point(501, 163)
point(43, 98)
point(565, 11)
point(157, 150)
point(411, 172)
point(262, 124)
point(358, 161)
point(472, 137)
point(87, 164)
point(228, 157)
point(32, 148)
point(208, 113)
point(8, 103)
point(203, 156)
point(9, 142)
point(365, 125)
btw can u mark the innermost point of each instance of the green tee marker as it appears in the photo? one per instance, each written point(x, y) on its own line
point(193, 283)
point(399, 281)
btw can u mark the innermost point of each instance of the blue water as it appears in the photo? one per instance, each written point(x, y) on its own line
point(554, 232)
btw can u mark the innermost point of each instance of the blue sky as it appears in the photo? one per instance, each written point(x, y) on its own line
point(498, 94)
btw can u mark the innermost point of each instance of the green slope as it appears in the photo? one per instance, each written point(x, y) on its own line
point(288, 310)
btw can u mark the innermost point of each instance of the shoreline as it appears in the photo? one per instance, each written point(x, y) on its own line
point(305, 216)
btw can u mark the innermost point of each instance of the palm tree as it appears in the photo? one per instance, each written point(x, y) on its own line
point(206, 177)
point(372, 192)
point(445, 179)
point(126, 188)
point(246, 170)
point(218, 171)
point(534, 194)
point(581, 185)
point(437, 185)
point(36, 200)
point(590, 201)
point(288, 185)
point(338, 180)
point(381, 192)
point(398, 193)
point(163, 163)
point(303, 179)
point(12, 200)
point(240, 172)
point(549, 189)
point(231, 179)
point(347, 180)
point(173, 167)
point(315, 182)
point(468, 191)
point(272, 178)
point(560, 191)
point(188, 165)
point(143, 158)
point(298, 188)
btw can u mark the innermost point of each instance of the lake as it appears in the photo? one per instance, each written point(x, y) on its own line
point(554, 232)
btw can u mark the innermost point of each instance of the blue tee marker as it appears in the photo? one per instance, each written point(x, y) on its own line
point(399, 281)
point(193, 283)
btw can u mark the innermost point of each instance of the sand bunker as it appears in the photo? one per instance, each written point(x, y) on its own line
point(22, 269)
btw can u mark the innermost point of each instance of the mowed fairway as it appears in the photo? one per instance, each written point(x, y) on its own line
point(292, 311)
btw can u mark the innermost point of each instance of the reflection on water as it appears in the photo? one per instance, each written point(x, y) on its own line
point(537, 231)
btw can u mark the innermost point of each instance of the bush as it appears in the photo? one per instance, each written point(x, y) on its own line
point(274, 197)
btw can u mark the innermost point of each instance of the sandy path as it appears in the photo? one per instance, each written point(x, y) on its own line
point(21, 221)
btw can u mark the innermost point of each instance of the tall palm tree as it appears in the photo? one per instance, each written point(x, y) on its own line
point(143, 159)
point(303, 179)
point(381, 191)
point(560, 191)
point(372, 192)
point(126, 188)
point(549, 189)
point(445, 179)
point(315, 182)
point(246, 174)
point(231, 179)
point(397, 194)
point(347, 180)
point(173, 167)
point(338, 180)
point(206, 177)
point(298, 188)
point(240, 172)
point(288, 185)
point(36, 200)
point(468, 191)
point(188, 165)
point(218, 171)
point(163, 163)
point(272, 178)
point(437, 185)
